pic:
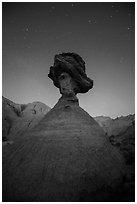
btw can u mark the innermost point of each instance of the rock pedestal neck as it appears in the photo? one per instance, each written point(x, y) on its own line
point(67, 156)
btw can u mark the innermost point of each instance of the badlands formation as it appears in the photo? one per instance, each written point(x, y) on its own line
point(66, 156)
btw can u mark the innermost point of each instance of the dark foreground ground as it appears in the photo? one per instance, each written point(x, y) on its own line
point(66, 156)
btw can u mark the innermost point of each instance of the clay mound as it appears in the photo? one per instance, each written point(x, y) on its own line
point(18, 118)
point(66, 157)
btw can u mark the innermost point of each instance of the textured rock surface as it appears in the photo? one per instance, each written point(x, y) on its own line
point(18, 118)
point(66, 156)
point(74, 65)
point(121, 133)
point(115, 126)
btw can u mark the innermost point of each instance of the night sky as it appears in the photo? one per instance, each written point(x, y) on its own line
point(103, 34)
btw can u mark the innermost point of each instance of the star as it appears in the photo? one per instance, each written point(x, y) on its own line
point(52, 9)
point(89, 21)
point(27, 29)
point(129, 28)
point(111, 16)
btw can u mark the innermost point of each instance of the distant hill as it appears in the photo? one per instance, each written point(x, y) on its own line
point(17, 118)
point(115, 126)
point(121, 134)
point(126, 142)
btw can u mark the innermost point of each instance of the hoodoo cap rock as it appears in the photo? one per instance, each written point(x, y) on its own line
point(74, 65)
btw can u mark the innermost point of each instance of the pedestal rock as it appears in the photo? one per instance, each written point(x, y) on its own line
point(67, 156)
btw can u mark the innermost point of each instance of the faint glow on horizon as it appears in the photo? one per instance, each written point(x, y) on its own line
point(105, 42)
point(38, 87)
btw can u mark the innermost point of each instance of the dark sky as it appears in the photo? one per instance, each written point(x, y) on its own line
point(102, 33)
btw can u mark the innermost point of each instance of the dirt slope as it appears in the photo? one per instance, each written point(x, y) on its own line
point(66, 157)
